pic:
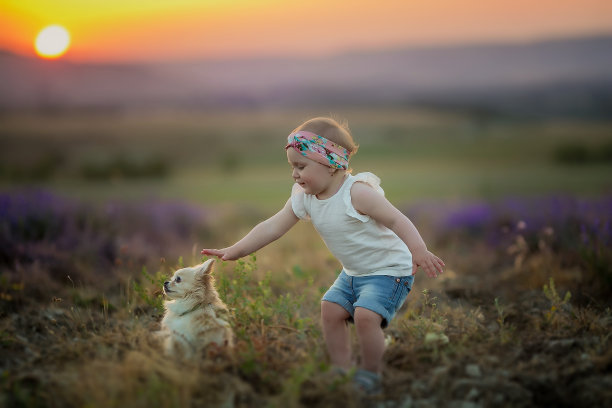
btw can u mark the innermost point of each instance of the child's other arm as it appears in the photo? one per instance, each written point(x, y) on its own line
point(260, 236)
point(367, 201)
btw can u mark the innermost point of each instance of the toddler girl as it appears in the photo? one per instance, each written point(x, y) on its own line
point(378, 246)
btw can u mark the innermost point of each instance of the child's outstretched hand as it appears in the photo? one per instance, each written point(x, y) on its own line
point(223, 254)
point(432, 265)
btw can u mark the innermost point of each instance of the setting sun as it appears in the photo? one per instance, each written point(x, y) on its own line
point(52, 42)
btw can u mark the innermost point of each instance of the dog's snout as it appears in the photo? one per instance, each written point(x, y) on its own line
point(167, 287)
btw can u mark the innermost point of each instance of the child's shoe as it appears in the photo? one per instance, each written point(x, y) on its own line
point(367, 382)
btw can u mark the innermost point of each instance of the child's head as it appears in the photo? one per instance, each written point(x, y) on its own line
point(317, 149)
point(331, 130)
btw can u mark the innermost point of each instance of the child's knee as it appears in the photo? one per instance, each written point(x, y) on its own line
point(333, 313)
point(367, 318)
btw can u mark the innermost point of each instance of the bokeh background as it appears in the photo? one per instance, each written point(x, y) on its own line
point(192, 99)
point(161, 131)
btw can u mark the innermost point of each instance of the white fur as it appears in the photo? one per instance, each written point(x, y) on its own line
point(195, 316)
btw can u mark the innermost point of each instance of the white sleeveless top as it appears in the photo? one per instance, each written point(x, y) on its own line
point(363, 246)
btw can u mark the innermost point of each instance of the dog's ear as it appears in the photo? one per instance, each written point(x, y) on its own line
point(205, 268)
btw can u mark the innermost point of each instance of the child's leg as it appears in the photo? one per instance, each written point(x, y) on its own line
point(336, 333)
point(371, 338)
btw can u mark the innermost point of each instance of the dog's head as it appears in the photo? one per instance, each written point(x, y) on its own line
point(188, 282)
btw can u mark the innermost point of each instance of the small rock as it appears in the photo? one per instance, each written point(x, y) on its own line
point(406, 403)
point(418, 387)
point(473, 370)
point(427, 403)
point(386, 404)
point(498, 399)
point(504, 373)
point(561, 345)
point(495, 387)
point(437, 338)
point(472, 395)
point(463, 404)
point(439, 371)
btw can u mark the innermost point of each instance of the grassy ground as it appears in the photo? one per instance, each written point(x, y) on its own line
point(227, 157)
point(511, 323)
point(520, 318)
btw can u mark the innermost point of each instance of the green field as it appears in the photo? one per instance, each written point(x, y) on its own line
point(229, 157)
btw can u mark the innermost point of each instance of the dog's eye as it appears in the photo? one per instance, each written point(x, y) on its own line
point(178, 279)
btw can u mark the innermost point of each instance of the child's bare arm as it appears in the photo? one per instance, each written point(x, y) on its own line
point(367, 201)
point(261, 235)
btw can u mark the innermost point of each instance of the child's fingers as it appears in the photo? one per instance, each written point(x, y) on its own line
point(213, 252)
point(439, 265)
point(436, 265)
point(433, 266)
point(432, 270)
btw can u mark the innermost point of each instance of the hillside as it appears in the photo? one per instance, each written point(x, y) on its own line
point(558, 77)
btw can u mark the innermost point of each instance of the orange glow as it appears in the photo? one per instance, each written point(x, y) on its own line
point(52, 42)
point(134, 30)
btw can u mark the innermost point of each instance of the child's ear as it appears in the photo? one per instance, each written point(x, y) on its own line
point(205, 268)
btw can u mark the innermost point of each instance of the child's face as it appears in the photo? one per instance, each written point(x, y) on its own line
point(312, 176)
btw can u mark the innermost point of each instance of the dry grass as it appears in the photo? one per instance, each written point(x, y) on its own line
point(77, 320)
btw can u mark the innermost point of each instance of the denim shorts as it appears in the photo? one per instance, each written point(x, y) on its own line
point(381, 294)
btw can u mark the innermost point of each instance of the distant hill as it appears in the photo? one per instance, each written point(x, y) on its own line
point(556, 77)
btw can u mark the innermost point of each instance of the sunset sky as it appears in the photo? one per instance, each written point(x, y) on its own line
point(145, 30)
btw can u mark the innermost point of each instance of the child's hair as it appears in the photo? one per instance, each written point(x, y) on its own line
point(332, 130)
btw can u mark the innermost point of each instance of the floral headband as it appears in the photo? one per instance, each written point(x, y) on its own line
point(319, 149)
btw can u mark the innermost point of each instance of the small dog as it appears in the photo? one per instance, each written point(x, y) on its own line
point(195, 316)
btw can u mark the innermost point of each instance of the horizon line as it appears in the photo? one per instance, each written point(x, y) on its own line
point(329, 54)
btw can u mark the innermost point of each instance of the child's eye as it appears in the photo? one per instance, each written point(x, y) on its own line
point(178, 279)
